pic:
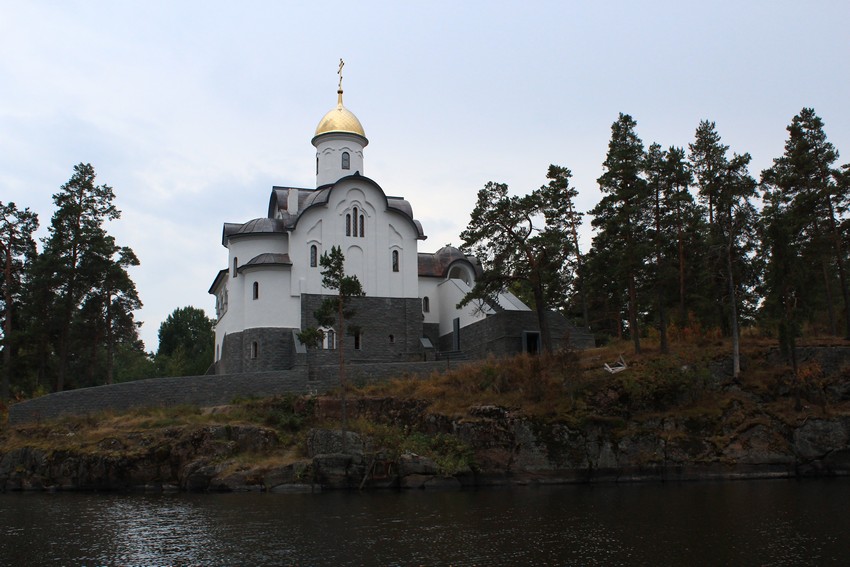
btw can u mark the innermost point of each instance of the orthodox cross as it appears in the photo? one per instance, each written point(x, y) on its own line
point(341, 65)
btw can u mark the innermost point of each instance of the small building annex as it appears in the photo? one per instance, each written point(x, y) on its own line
point(273, 283)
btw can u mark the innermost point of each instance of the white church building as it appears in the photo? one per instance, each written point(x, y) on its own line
point(273, 282)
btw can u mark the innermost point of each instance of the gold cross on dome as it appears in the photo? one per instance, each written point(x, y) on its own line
point(341, 65)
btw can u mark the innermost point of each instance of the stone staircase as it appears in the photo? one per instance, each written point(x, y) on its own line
point(452, 355)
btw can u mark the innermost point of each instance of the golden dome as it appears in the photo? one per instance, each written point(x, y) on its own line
point(340, 119)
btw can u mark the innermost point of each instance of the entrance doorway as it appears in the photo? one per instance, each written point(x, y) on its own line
point(531, 342)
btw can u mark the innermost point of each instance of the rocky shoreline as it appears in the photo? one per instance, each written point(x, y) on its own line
point(506, 450)
point(678, 424)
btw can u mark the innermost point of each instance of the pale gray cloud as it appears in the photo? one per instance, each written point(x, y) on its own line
point(192, 110)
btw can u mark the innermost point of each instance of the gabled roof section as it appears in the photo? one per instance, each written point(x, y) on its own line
point(308, 198)
point(437, 264)
point(267, 259)
point(219, 277)
point(253, 227)
point(281, 220)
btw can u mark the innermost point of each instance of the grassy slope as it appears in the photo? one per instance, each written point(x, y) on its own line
point(571, 388)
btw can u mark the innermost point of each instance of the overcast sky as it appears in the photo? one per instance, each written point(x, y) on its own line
point(191, 111)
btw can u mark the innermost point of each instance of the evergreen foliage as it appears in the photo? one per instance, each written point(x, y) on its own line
point(76, 298)
point(335, 312)
point(17, 249)
point(186, 341)
point(525, 244)
point(623, 219)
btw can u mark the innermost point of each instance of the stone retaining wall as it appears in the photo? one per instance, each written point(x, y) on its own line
point(208, 390)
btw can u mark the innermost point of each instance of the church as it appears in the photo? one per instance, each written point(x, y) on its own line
point(272, 284)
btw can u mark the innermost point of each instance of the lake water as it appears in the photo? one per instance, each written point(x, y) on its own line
point(733, 523)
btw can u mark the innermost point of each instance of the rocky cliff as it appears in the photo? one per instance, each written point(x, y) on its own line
point(617, 432)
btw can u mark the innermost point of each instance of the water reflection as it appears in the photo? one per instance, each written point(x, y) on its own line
point(743, 523)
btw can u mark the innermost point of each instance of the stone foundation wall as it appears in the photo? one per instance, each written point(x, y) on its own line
point(208, 390)
point(390, 327)
point(275, 350)
point(502, 334)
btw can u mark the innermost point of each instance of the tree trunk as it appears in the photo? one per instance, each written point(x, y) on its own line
point(662, 316)
point(839, 259)
point(683, 313)
point(580, 271)
point(5, 384)
point(342, 378)
point(110, 347)
point(633, 326)
point(540, 308)
point(733, 313)
point(830, 302)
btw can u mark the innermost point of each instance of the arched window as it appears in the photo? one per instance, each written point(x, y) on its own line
point(255, 349)
point(395, 260)
point(317, 165)
point(330, 335)
point(235, 264)
point(346, 160)
point(314, 256)
point(355, 221)
point(362, 232)
point(256, 290)
point(460, 273)
point(348, 225)
point(426, 305)
point(392, 339)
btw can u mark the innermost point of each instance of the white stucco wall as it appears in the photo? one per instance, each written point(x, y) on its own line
point(274, 306)
point(450, 293)
point(245, 247)
point(329, 150)
point(428, 288)
point(369, 257)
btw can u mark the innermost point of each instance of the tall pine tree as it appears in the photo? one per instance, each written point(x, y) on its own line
point(85, 273)
point(17, 249)
point(622, 216)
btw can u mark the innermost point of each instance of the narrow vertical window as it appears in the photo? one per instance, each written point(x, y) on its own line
point(317, 165)
point(314, 256)
point(357, 340)
point(331, 336)
point(348, 225)
point(256, 290)
point(235, 264)
point(355, 221)
point(255, 349)
point(346, 160)
point(426, 305)
point(392, 339)
point(395, 260)
point(362, 232)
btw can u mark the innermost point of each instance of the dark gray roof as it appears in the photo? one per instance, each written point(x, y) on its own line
point(252, 227)
point(267, 259)
point(280, 220)
point(437, 264)
point(218, 279)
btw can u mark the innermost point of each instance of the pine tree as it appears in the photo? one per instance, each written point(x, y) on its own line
point(186, 340)
point(17, 249)
point(85, 272)
point(525, 243)
point(735, 216)
point(686, 225)
point(709, 165)
point(808, 197)
point(336, 312)
point(622, 216)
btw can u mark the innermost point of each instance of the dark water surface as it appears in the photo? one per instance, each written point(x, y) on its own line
point(733, 523)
